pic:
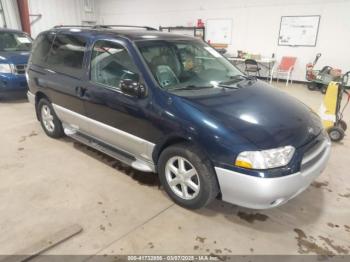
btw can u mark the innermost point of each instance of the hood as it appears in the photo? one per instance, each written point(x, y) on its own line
point(20, 57)
point(262, 114)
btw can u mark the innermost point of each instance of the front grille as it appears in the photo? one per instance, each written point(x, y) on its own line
point(20, 69)
point(314, 154)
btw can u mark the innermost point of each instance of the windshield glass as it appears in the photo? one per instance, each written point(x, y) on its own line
point(10, 41)
point(187, 65)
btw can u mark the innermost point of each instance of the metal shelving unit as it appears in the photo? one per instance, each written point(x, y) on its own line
point(197, 31)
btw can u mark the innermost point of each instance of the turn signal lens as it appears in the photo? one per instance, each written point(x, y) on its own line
point(243, 164)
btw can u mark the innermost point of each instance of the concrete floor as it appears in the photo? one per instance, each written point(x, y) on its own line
point(47, 184)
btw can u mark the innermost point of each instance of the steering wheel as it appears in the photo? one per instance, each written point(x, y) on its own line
point(211, 74)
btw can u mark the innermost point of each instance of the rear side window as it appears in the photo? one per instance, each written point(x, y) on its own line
point(67, 54)
point(41, 48)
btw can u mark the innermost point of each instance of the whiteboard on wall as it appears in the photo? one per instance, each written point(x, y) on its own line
point(299, 30)
point(218, 31)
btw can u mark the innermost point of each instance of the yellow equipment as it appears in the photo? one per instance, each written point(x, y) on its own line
point(330, 112)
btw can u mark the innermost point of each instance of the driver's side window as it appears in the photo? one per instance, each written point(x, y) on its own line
point(111, 63)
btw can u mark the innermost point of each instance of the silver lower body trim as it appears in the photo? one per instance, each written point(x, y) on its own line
point(31, 97)
point(138, 164)
point(263, 193)
point(139, 148)
point(72, 120)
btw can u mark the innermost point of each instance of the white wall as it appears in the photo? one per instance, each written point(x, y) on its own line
point(58, 12)
point(255, 24)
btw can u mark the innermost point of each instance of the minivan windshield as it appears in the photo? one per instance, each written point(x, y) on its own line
point(12, 41)
point(188, 65)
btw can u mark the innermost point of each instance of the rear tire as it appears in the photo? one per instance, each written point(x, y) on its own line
point(312, 86)
point(342, 124)
point(324, 89)
point(187, 176)
point(336, 133)
point(49, 120)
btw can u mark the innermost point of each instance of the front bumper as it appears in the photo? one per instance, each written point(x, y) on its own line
point(262, 193)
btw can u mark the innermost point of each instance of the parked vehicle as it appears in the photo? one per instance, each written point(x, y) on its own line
point(14, 54)
point(171, 104)
point(320, 79)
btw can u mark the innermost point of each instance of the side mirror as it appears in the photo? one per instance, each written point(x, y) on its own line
point(132, 88)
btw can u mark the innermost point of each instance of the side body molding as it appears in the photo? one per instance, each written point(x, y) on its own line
point(141, 150)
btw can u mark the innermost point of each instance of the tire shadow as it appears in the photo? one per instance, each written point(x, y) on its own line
point(143, 178)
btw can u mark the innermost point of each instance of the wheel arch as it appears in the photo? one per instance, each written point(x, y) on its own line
point(169, 141)
point(173, 140)
point(38, 96)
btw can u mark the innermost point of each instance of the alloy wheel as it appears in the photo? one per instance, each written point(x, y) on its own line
point(182, 178)
point(47, 118)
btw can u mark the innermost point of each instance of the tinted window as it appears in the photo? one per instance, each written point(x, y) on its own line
point(67, 54)
point(111, 63)
point(41, 48)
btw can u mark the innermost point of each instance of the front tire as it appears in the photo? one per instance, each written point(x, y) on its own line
point(336, 133)
point(343, 125)
point(187, 176)
point(312, 86)
point(49, 120)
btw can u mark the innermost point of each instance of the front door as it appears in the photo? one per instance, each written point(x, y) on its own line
point(118, 119)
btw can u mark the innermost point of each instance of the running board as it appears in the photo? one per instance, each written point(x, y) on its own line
point(109, 150)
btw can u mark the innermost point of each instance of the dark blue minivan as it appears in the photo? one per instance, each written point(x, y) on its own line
point(173, 105)
point(15, 49)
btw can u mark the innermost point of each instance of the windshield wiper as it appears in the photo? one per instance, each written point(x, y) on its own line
point(192, 87)
point(235, 79)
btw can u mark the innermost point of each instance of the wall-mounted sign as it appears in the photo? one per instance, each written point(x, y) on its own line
point(299, 30)
point(218, 31)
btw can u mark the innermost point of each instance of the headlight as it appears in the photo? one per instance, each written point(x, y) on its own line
point(5, 68)
point(265, 159)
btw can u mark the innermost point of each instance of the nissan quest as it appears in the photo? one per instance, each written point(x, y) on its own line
point(173, 105)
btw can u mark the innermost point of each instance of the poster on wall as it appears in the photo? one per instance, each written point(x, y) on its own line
point(88, 6)
point(218, 31)
point(299, 30)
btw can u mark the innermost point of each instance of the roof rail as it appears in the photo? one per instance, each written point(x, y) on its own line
point(126, 26)
point(69, 26)
point(104, 26)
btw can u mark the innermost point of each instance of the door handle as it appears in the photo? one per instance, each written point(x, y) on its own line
point(80, 91)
